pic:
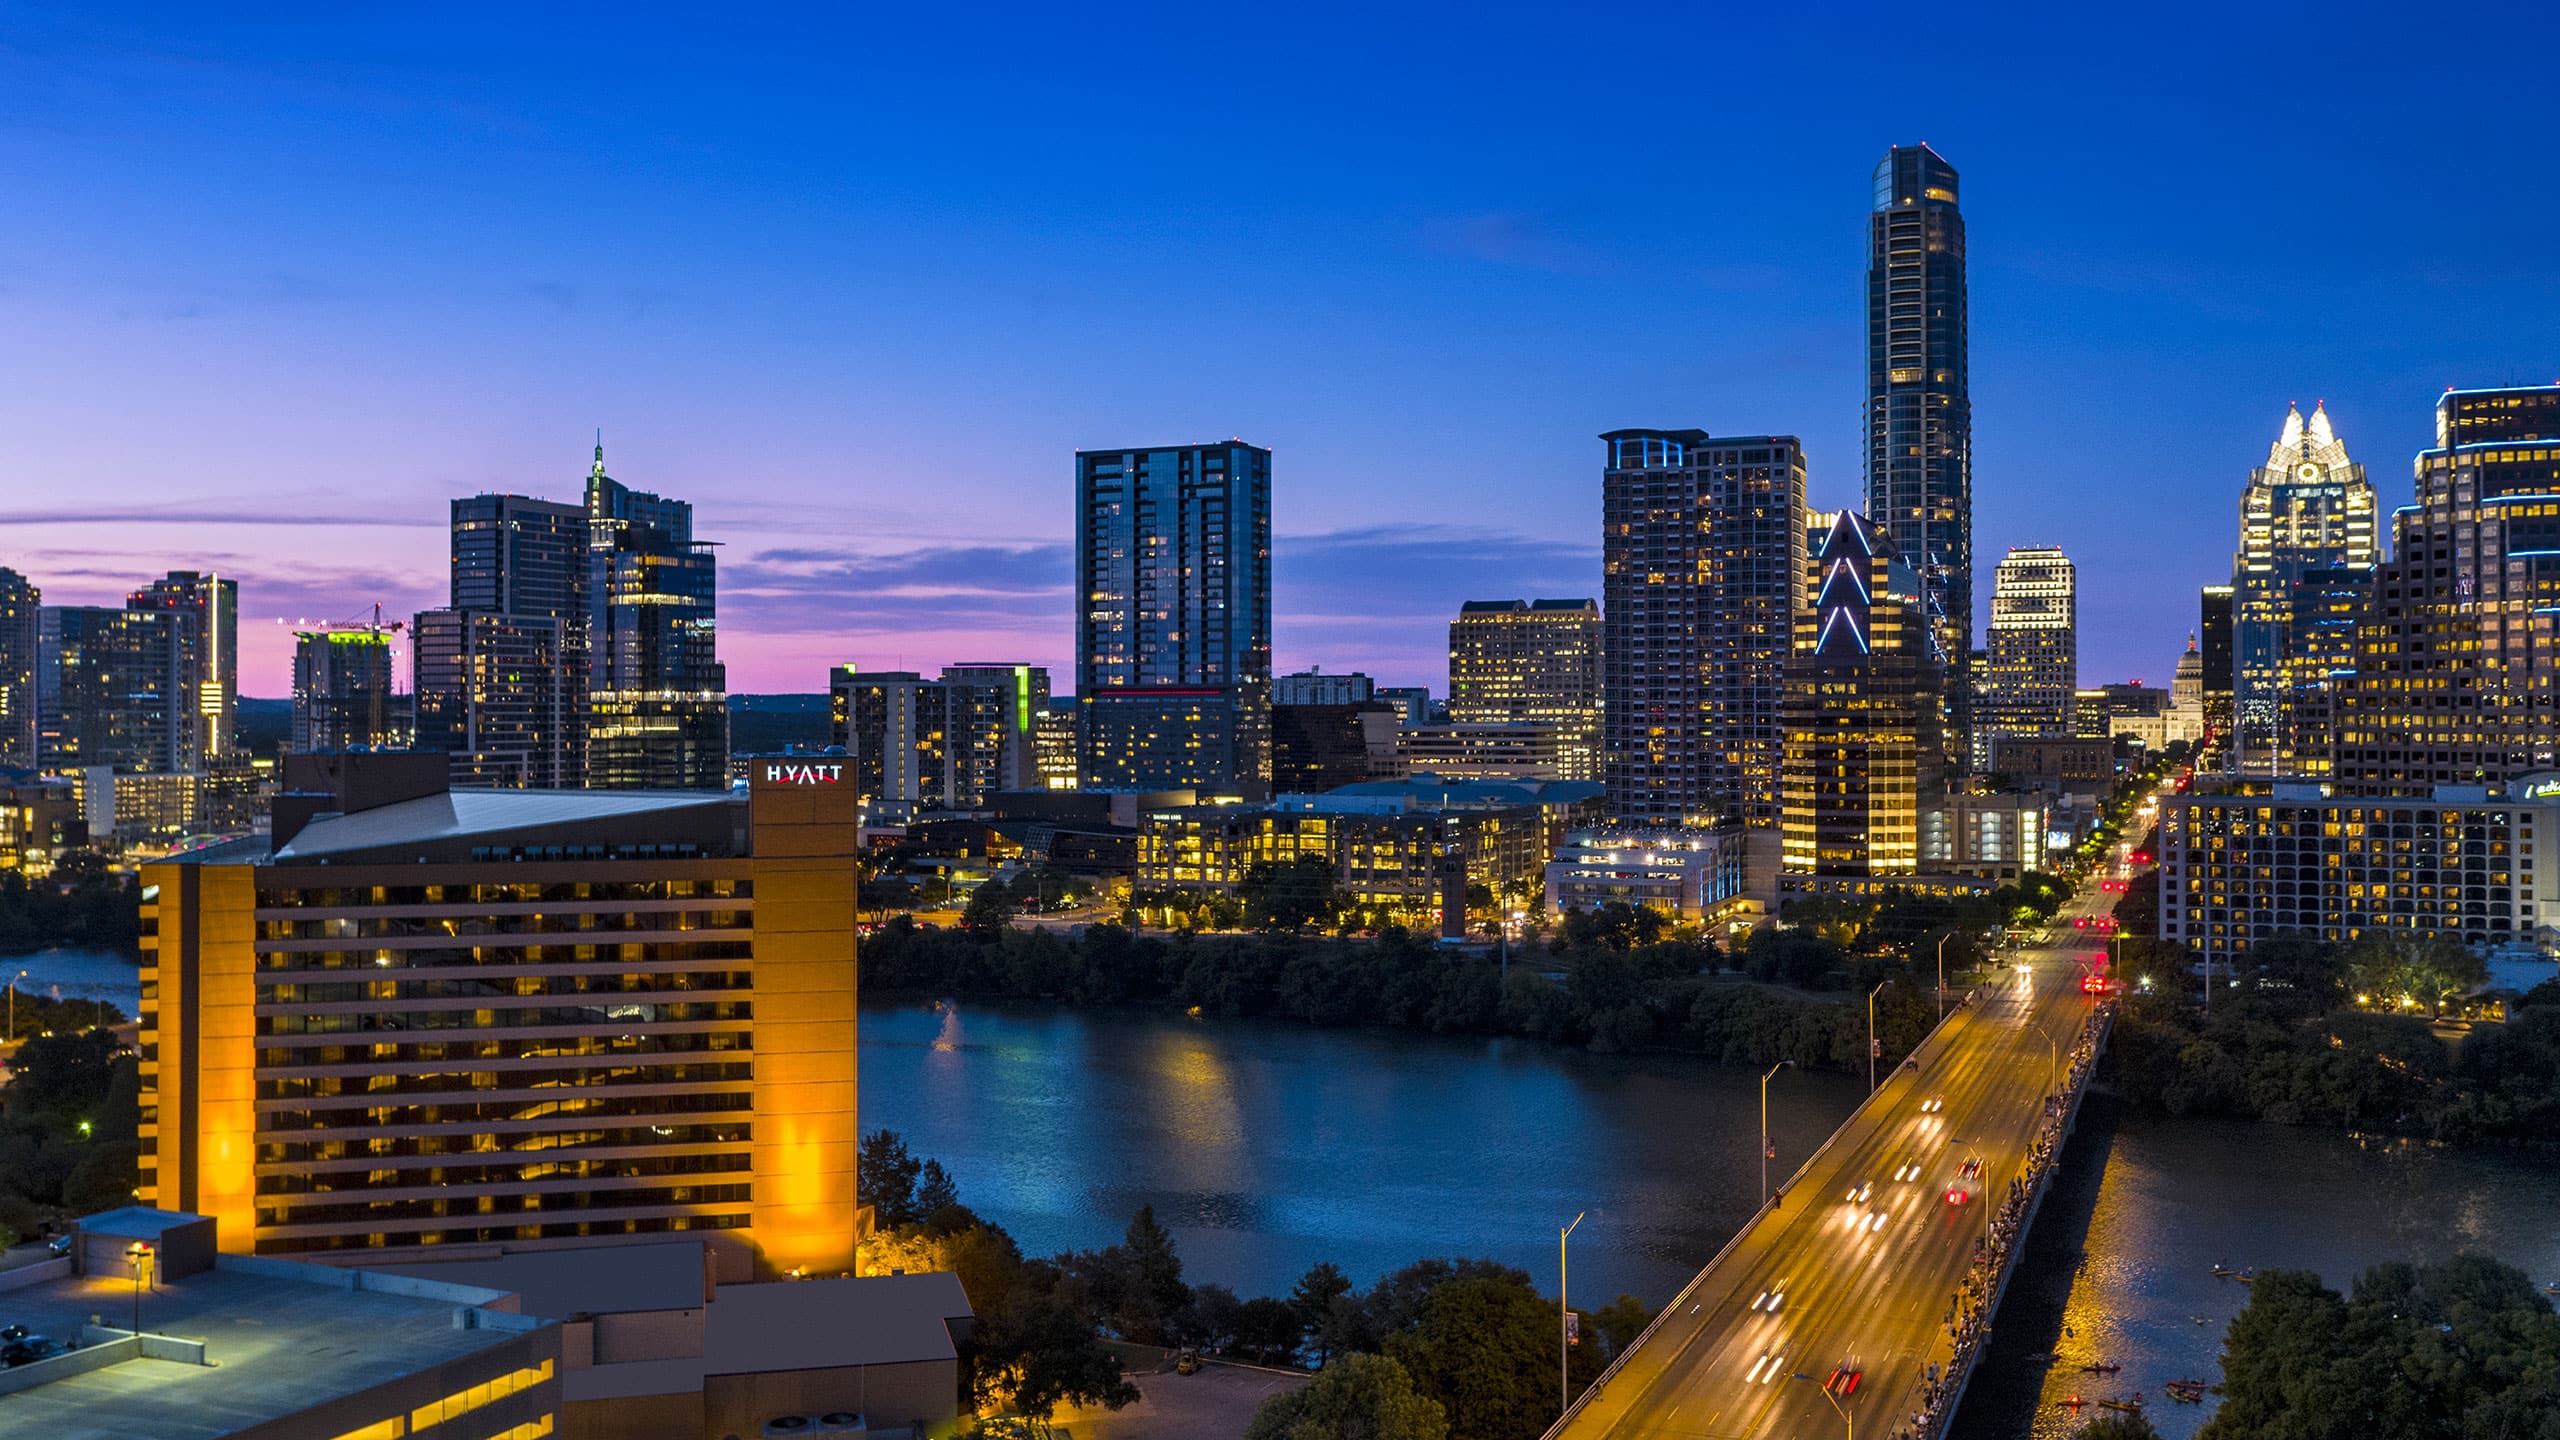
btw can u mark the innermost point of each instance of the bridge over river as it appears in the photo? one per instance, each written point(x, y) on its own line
point(1859, 1299)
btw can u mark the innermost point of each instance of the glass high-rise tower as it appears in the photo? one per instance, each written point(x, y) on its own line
point(1173, 617)
point(1919, 407)
point(657, 694)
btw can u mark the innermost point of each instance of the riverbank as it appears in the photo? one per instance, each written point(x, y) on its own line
point(1666, 997)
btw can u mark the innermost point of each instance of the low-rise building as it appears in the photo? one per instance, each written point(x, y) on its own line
point(2464, 864)
point(1385, 852)
point(654, 1347)
point(1510, 751)
point(2000, 837)
point(227, 1345)
point(1692, 875)
point(2062, 764)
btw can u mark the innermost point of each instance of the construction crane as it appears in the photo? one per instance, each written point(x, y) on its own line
point(381, 630)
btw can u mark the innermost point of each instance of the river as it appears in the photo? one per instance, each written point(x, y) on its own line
point(78, 975)
point(1266, 1147)
point(2119, 1266)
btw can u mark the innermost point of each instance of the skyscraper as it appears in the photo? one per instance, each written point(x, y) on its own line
point(1531, 662)
point(993, 710)
point(490, 692)
point(1865, 730)
point(1173, 617)
point(341, 690)
point(21, 641)
point(2307, 508)
point(2213, 642)
point(187, 627)
point(1702, 557)
point(2455, 655)
point(657, 701)
point(894, 727)
point(500, 676)
point(1919, 404)
point(2032, 662)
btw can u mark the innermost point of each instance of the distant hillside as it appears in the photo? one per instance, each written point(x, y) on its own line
point(758, 724)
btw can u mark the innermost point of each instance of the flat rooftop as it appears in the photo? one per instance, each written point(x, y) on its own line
point(283, 1345)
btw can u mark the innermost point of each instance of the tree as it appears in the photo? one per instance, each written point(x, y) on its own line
point(1289, 895)
point(989, 912)
point(1482, 1350)
point(935, 1190)
point(65, 1076)
point(2118, 1427)
point(1039, 1354)
point(1314, 1298)
point(1621, 1321)
point(1152, 1295)
point(885, 1179)
point(1365, 1397)
point(1267, 1330)
point(2464, 1349)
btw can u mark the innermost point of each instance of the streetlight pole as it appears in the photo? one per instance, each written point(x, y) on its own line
point(1942, 973)
point(1852, 1430)
point(13, 1005)
point(140, 1254)
point(1764, 1130)
point(2053, 1060)
point(1564, 1323)
point(1872, 1047)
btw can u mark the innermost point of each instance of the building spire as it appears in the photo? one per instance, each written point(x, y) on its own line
point(598, 472)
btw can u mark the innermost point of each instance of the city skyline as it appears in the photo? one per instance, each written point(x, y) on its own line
point(357, 374)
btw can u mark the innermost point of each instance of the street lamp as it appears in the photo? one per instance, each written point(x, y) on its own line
point(2053, 1059)
point(1942, 973)
point(1564, 1322)
point(13, 1004)
point(1873, 1049)
point(1765, 1146)
point(139, 1252)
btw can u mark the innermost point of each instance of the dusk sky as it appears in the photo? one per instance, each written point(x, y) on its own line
point(277, 281)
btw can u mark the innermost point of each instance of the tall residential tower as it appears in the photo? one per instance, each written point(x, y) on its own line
point(1531, 662)
point(1919, 408)
point(1173, 617)
point(1702, 559)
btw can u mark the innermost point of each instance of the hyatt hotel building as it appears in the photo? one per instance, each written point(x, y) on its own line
point(510, 1019)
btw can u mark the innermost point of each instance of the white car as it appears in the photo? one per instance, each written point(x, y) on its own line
point(1858, 1193)
point(1771, 1298)
point(1932, 1105)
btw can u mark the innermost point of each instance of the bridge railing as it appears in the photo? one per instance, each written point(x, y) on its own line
point(1969, 1349)
point(1601, 1381)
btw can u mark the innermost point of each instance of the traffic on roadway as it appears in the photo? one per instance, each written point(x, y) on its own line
point(1839, 1305)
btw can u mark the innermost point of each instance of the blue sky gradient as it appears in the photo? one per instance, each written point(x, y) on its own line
point(859, 282)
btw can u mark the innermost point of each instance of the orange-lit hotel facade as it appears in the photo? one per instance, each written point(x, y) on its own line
point(510, 1019)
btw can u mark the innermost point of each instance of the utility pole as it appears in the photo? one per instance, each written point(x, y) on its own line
point(1942, 973)
point(1873, 1049)
point(1765, 1146)
point(1564, 1323)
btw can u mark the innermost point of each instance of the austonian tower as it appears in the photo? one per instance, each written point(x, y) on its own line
point(1919, 408)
